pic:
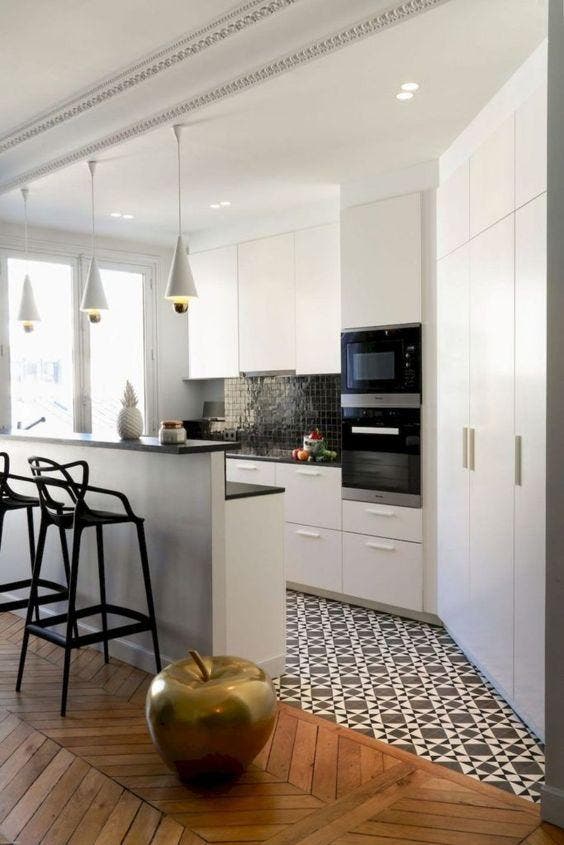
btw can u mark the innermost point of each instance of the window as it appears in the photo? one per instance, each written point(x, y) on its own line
point(41, 363)
point(68, 371)
point(117, 349)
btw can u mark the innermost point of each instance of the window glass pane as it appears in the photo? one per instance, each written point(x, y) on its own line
point(41, 368)
point(117, 349)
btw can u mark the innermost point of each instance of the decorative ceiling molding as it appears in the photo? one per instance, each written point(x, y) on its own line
point(323, 47)
point(190, 44)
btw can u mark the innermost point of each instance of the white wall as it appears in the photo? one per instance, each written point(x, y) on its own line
point(175, 399)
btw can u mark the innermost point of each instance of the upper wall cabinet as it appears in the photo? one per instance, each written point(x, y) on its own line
point(530, 147)
point(492, 178)
point(212, 317)
point(381, 263)
point(267, 302)
point(453, 211)
point(318, 315)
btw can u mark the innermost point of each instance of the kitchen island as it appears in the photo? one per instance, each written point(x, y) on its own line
point(216, 556)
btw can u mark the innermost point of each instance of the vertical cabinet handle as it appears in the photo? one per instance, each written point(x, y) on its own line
point(465, 447)
point(472, 449)
point(518, 460)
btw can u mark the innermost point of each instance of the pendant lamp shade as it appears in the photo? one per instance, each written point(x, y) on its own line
point(28, 314)
point(94, 298)
point(181, 287)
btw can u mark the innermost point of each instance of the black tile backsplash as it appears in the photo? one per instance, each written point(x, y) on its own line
point(272, 413)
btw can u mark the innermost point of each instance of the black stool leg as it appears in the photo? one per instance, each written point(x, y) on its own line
point(149, 592)
point(102, 577)
point(66, 564)
point(32, 599)
point(31, 535)
point(71, 617)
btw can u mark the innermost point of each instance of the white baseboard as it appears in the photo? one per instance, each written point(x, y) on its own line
point(552, 806)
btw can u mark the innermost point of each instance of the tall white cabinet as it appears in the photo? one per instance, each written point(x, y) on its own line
point(491, 294)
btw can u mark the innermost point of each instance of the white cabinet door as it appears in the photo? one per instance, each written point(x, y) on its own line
point(213, 342)
point(530, 425)
point(492, 375)
point(381, 263)
point(318, 300)
point(492, 178)
point(313, 494)
point(453, 395)
point(314, 557)
point(530, 147)
point(453, 211)
point(251, 472)
point(267, 323)
point(385, 571)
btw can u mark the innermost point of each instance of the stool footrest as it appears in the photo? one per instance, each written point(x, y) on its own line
point(59, 592)
point(41, 628)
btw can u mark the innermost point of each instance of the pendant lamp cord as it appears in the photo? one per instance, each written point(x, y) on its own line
point(26, 248)
point(179, 190)
point(92, 167)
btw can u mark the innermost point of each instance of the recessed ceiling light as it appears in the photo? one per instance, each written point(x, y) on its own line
point(115, 214)
point(404, 95)
point(128, 216)
point(410, 86)
point(225, 203)
point(215, 205)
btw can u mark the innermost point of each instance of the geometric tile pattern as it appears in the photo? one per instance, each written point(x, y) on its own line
point(407, 683)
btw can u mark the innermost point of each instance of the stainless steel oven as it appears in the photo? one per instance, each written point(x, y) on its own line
point(381, 455)
point(381, 366)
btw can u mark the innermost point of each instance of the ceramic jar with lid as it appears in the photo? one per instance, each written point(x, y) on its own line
point(172, 433)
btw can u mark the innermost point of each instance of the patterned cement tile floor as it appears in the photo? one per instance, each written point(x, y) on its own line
point(409, 684)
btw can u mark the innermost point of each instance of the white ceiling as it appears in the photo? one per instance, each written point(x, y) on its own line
point(284, 144)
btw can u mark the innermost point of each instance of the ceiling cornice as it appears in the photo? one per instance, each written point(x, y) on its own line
point(243, 16)
point(320, 48)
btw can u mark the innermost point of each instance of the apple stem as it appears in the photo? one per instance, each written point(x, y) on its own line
point(196, 657)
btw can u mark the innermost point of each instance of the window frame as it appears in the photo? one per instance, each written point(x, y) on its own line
point(79, 261)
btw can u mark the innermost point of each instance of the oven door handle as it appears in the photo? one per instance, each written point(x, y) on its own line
point(360, 429)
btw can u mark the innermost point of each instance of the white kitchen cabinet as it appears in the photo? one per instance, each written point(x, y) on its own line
point(530, 426)
point(453, 421)
point(531, 147)
point(381, 263)
point(251, 472)
point(318, 300)
point(213, 341)
point(314, 557)
point(267, 303)
point(384, 571)
point(313, 494)
point(492, 178)
point(492, 395)
point(388, 521)
point(453, 211)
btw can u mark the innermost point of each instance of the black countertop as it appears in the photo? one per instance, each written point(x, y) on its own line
point(240, 490)
point(144, 444)
point(279, 459)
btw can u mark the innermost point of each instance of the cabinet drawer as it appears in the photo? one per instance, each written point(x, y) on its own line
point(382, 570)
point(383, 520)
point(313, 494)
point(314, 557)
point(251, 472)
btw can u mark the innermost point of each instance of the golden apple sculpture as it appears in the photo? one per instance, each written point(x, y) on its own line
point(209, 717)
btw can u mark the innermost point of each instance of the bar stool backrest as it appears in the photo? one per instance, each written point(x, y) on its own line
point(4, 473)
point(60, 481)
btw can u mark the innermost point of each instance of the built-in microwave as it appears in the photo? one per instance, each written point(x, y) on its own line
point(381, 366)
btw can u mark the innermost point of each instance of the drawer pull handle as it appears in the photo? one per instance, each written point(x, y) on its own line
point(387, 547)
point(247, 467)
point(309, 472)
point(313, 534)
point(383, 512)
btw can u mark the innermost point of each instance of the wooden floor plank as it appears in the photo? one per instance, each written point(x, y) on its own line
point(119, 821)
point(303, 756)
point(143, 826)
point(54, 804)
point(97, 814)
point(71, 817)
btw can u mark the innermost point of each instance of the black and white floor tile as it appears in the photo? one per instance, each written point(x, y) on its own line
point(409, 684)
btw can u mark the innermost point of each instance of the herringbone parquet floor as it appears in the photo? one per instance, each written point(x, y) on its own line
point(93, 777)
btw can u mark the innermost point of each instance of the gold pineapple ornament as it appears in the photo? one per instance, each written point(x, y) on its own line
point(130, 419)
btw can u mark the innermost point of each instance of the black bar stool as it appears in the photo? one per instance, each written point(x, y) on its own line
point(57, 480)
point(11, 501)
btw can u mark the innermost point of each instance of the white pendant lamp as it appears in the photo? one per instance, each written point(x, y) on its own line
point(28, 315)
point(180, 288)
point(94, 298)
